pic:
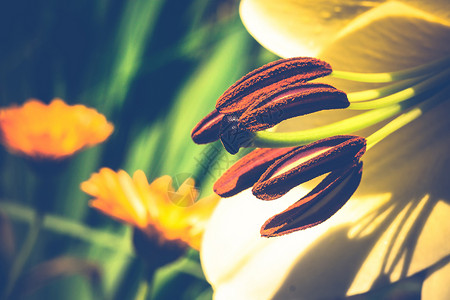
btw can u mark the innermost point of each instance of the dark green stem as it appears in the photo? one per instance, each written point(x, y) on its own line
point(145, 286)
point(22, 256)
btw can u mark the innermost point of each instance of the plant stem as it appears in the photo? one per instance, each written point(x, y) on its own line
point(22, 256)
point(383, 91)
point(405, 119)
point(143, 290)
point(425, 69)
point(266, 139)
point(406, 94)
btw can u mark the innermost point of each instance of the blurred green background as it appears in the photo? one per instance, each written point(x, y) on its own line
point(154, 68)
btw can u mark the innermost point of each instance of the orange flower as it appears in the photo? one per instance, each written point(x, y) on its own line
point(153, 208)
point(53, 131)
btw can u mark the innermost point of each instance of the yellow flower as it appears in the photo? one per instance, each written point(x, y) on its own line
point(155, 209)
point(396, 226)
point(51, 132)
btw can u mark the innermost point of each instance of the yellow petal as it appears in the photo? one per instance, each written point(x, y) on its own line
point(296, 28)
point(390, 37)
point(436, 284)
point(133, 197)
point(149, 206)
point(304, 28)
point(114, 210)
point(411, 242)
point(186, 194)
point(115, 194)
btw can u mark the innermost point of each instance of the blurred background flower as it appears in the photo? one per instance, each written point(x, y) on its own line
point(156, 209)
point(153, 69)
point(53, 131)
point(166, 222)
point(389, 240)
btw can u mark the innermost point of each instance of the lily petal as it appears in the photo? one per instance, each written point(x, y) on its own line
point(301, 28)
point(344, 252)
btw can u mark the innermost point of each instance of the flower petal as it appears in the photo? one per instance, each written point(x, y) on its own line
point(253, 267)
point(292, 28)
point(376, 41)
point(436, 285)
point(51, 132)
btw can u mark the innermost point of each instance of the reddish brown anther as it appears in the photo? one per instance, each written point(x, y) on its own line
point(207, 130)
point(268, 78)
point(246, 171)
point(291, 101)
point(266, 96)
point(307, 162)
point(318, 205)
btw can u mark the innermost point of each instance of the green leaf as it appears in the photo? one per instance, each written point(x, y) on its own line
point(197, 98)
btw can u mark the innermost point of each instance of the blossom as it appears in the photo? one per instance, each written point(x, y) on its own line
point(396, 225)
point(156, 209)
point(51, 132)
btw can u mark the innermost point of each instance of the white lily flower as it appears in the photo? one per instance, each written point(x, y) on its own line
point(397, 224)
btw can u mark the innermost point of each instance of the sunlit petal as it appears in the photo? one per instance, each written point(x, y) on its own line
point(299, 28)
point(436, 285)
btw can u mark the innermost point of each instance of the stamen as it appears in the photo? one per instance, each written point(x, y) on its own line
point(406, 118)
point(313, 160)
point(347, 126)
point(268, 78)
point(233, 134)
point(318, 205)
point(406, 94)
point(292, 101)
point(246, 171)
point(383, 91)
point(207, 130)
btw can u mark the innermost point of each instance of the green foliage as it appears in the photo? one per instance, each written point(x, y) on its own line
point(154, 68)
